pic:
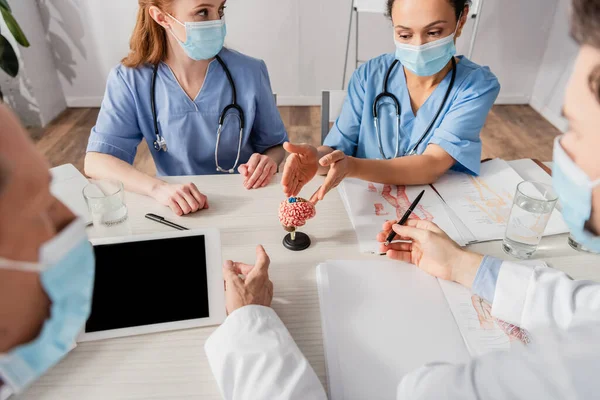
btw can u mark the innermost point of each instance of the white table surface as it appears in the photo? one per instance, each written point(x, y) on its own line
point(173, 365)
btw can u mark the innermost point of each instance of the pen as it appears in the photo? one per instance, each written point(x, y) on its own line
point(410, 210)
point(161, 220)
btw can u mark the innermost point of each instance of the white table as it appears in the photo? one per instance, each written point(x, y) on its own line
point(173, 365)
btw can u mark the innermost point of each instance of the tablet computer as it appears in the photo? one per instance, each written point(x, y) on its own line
point(156, 283)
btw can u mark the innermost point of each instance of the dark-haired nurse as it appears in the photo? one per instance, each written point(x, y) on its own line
point(409, 116)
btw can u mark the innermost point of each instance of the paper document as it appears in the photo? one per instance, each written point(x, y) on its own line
point(468, 208)
point(482, 332)
point(370, 205)
point(67, 186)
point(380, 321)
point(384, 319)
point(483, 203)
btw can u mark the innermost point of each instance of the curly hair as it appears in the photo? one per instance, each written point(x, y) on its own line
point(459, 6)
point(585, 29)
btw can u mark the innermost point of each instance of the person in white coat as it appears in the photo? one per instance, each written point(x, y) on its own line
point(254, 357)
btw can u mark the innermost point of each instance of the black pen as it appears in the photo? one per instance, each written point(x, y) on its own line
point(161, 220)
point(410, 210)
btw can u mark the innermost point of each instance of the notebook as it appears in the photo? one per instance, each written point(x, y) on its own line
point(67, 186)
point(385, 319)
point(469, 209)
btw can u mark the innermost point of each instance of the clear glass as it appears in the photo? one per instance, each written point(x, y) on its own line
point(579, 247)
point(532, 207)
point(106, 201)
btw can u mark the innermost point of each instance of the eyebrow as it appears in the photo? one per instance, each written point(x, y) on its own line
point(441, 21)
point(206, 5)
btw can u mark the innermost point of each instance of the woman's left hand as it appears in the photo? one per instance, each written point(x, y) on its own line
point(258, 171)
point(339, 168)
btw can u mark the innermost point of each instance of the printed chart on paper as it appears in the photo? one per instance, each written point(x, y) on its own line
point(370, 205)
point(484, 203)
point(482, 332)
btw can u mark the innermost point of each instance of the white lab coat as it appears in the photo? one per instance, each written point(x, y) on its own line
point(253, 356)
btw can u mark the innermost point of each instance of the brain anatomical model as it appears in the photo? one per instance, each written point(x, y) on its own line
point(294, 212)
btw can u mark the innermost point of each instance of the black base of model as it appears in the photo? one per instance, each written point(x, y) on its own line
point(302, 242)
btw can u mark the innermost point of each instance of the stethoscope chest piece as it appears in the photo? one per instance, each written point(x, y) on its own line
point(160, 144)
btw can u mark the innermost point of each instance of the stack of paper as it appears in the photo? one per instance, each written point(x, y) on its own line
point(469, 209)
point(384, 320)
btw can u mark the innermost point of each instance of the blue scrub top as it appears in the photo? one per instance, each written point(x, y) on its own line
point(456, 130)
point(189, 126)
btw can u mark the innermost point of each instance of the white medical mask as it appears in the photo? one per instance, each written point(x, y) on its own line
point(67, 269)
point(204, 40)
point(427, 59)
point(574, 190)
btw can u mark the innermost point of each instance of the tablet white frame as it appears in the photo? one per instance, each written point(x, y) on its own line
point(216, 289)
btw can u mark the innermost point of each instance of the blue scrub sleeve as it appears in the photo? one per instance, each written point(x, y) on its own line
point(344, 134)
point(117, 132)
point(486, 279)
point(459, 132)
point(268, 130)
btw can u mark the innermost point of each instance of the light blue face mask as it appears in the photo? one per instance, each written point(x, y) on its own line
point(427, 59)
point(67, 268)
point(574, 190)
point(204, 40)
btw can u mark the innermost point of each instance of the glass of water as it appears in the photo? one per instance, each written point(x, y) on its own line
point(530, 213)
point(106, 201)
point(579, 247)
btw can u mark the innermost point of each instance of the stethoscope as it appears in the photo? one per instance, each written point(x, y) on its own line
point(161, 144)
point(386, 94)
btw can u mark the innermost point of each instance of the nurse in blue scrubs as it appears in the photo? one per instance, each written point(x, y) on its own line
point(443, 102)
point(183, 43)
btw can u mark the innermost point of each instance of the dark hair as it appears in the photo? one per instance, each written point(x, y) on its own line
point(459, 6)
point(585, 29)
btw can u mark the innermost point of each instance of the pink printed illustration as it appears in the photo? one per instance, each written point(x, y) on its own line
point(401, 203)
point(372, 188)
point(487, 322)
point(380, 210)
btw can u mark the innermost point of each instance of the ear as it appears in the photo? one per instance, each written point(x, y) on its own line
point(463, 21)
point(160, 17)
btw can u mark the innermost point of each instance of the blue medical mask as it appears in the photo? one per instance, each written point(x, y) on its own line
point(574, 190)
point(66, 269)
point(427, 59)
point(204, 40)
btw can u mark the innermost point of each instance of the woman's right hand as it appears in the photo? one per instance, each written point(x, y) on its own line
point(181, 199)
point(431, 250)
point(300, 167)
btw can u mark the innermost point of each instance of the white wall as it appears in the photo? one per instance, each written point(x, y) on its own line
point(556, 67)
point(303, 43)
point(88, 39)
point(35, 94)
point(511, 41)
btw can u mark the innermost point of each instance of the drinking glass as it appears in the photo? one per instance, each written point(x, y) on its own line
point(106, 201)
point(532, 207)
point(579, 247)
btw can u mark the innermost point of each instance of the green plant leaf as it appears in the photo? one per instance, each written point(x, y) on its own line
point(14, 28)
point(4, 4)
point(8, 58)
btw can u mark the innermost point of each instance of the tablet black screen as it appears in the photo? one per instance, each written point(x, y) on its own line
point(149, 282)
